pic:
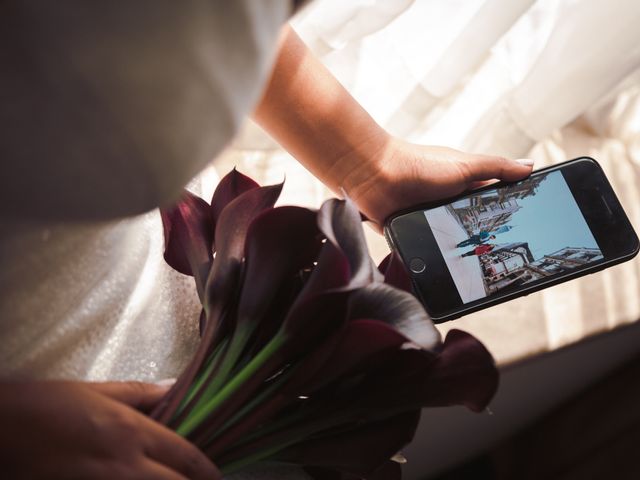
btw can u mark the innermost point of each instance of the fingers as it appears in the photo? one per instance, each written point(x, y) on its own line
point(173, 451)
point(484, 167)
point(157, 442)
point(139, 395)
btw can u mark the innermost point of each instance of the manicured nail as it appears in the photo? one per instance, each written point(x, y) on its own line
point(527, 162)
point(166, 382)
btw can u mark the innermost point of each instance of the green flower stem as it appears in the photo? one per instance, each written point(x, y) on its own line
point(238, 342)
point(297, 435)
point(200, 413)
point(198, 384)
point(228, 363)
point(275, 425)
point(257, 400)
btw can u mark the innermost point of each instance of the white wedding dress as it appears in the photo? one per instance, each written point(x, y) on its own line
point(133, 100)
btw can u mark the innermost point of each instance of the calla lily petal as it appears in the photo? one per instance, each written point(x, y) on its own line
point(274, 246)
point(357, 346)
point(395, 273)
point(397, 308)
point(339, 220)
point(464, 373)
point(231, 186)
point(188, 237)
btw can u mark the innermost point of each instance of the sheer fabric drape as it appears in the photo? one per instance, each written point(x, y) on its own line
point(548, 79)
point(490, 75)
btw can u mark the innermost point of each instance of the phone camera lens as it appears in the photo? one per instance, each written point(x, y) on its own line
point(417, 265)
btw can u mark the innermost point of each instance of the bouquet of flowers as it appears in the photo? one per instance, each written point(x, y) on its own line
point(310, 354)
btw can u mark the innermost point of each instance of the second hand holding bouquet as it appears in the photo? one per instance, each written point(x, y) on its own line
point(310, 354)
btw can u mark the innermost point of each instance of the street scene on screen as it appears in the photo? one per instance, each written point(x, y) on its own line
point(499, 239)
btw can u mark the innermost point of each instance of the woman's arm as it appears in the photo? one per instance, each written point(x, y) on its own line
point(312, 116)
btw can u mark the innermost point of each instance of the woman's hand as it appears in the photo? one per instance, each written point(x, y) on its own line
point(403, 175)
point(91, 430)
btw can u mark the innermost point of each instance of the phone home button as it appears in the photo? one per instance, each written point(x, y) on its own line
point(417, 265)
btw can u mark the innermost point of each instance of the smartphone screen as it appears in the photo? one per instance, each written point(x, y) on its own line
point(510, 236)
point(506, 240)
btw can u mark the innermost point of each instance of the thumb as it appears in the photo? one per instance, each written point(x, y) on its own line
point(139, 395)
point(485, 167)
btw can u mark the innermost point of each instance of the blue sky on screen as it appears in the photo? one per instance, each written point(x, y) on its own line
point(549, 220)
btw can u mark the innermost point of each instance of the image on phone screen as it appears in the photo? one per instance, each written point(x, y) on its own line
point(500, 239)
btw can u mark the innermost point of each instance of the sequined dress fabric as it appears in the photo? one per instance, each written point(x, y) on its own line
point(94, 301)
point(141, 97)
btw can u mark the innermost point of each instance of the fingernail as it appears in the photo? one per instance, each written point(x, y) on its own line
point(527, 162)
point(166, 382)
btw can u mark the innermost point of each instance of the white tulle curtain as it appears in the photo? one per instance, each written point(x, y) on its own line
point(491, 76)
point(548, 79)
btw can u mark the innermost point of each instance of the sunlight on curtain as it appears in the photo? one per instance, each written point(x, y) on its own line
point(549, 79)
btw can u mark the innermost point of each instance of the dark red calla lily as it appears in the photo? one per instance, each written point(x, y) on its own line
point(221, 284)
point(188, 237)
point(231, 186)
